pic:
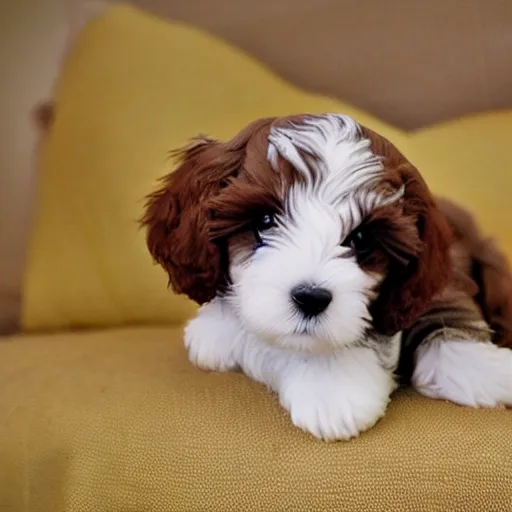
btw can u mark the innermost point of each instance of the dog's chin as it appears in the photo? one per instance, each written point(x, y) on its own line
point(306, 342)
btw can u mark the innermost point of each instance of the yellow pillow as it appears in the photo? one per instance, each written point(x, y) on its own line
point(136, 87)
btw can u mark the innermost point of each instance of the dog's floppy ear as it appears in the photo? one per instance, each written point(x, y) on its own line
point(406, 292)
point(178, 216)
point(177, 219)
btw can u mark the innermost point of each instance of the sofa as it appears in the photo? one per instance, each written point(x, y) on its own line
point(100, 409)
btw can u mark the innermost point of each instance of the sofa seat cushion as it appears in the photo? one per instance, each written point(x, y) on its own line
point(120, 420)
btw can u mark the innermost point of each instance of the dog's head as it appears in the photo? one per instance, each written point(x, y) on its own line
point(314, 228)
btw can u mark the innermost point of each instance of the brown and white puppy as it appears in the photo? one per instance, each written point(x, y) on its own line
point(326, 270)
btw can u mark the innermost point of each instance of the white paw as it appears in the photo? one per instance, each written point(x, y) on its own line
point(336, 406)
point(210, 338)
point(471, 373)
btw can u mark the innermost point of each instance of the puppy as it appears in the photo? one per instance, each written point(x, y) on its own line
point(326, 270)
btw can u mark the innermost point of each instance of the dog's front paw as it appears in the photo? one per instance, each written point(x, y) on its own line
point(330, 412)
point(210, 338)
point(471, 373)
point(333, 407)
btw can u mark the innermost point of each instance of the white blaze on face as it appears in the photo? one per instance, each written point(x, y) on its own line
point(338, 189)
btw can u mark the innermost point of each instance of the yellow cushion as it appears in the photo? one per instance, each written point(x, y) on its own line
point(119, 420)
point(136, 87)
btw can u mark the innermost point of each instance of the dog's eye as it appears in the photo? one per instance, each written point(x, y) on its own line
point(361, 242)
point(266, 221)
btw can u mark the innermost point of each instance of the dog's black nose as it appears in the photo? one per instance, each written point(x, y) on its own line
point(311, 300)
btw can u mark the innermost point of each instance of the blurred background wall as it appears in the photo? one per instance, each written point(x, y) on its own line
point(32, 35)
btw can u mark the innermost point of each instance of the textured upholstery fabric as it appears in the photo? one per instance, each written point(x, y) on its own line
point(120, 421)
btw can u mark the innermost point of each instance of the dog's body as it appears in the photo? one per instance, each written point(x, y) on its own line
point(325, 268)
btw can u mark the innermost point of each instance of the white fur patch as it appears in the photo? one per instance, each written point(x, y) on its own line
point(471, 373)
point(261, 292)
point(210, 338)
point(337, 397)
point(332, 397)
point(336, 162)
point(329, 152)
